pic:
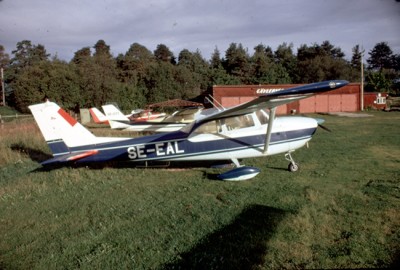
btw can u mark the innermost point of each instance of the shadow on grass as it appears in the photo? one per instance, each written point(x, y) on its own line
point(239, 245)
point(278, 168)
point(212, 176)
point(123, 164)
point(35, 155)
point(396, 260)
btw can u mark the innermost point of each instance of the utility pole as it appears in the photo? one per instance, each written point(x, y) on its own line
point(3, 90)
point(362, 82)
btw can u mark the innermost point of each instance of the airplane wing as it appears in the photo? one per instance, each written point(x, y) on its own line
point(273, 100)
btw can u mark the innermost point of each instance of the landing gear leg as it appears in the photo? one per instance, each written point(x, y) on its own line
point(236, 162)
point(293, 166)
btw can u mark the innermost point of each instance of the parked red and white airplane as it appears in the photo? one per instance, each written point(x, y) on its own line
point(245, 131)
point(176, 121)
point(113, 113)
point(146, 115)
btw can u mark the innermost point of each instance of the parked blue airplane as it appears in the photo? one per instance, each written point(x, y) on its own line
point(244, 131)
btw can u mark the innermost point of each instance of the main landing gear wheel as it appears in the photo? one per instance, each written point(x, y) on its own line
point(293, 166)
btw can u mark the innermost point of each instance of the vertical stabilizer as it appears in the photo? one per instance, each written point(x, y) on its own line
point(97, 116)
point(113, 113)
point(62, 132)
point(56, 124)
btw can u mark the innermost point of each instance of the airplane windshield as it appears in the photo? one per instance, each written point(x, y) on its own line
point(229, 124)
point(262, 116)
point(188, 127)
point(209, 127)
point(239, 122)
point(226, 124)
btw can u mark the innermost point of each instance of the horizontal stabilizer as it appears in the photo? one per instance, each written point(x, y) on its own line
point(118, 125)
point(69, 157)
point(83, 155)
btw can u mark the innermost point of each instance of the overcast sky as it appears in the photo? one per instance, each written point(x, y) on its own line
point(65, 27)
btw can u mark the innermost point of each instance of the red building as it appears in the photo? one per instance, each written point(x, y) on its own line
point(345, 99)
point(375, 100)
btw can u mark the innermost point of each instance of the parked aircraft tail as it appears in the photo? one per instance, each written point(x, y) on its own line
point(97, 116)
point(61, 131)
point(113, 113)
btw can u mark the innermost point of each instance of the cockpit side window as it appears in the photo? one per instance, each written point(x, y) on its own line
point(226, 124)
point(209, 127)
point(239, 122)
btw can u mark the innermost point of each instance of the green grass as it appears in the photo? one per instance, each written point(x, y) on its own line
point(340, 210)
point(5, 110)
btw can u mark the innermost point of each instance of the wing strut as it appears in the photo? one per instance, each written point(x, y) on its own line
point(269, 129)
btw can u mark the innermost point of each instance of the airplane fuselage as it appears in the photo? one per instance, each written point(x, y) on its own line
point(248, 130)
point(289, 133)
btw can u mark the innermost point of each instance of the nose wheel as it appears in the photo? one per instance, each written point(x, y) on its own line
point(293, 166)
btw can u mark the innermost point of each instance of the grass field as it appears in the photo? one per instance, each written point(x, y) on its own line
point(341, 210)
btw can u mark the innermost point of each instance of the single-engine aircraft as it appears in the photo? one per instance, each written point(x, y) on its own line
point(244, 131)
point(140, 115)
point(114, 114)
point(160, 123)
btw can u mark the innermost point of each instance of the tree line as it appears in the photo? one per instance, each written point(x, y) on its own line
point(139, 77)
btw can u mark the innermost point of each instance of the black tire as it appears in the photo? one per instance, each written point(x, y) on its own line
point(293, 167)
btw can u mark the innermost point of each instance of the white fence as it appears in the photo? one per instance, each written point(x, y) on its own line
point(7, 118)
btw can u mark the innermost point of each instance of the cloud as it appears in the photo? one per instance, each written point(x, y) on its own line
point(64, 27)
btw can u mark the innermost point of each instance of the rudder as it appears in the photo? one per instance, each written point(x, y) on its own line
point(57, 126)
point(112, 113)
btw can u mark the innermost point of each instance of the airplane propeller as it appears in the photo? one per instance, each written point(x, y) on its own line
point(320, 121)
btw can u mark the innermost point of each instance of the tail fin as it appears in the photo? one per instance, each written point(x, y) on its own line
point(56, 124)
point(98, 116)
point(61, 131)
point(112, 113)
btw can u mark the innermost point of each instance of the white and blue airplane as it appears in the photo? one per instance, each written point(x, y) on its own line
point(244, 131)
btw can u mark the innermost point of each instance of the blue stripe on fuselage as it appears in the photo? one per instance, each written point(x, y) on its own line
point(176, 144)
